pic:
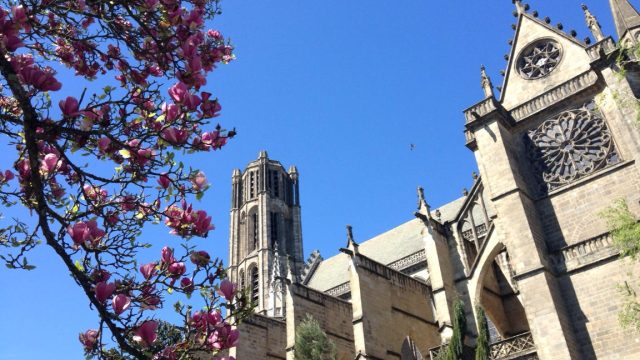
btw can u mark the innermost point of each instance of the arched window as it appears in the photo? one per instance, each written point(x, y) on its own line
point(241, 279)
point(255, 285)
point(274, 228)
point(253, 231)
point(409, 350)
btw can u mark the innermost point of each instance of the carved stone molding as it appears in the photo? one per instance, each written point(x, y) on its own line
point(555, 95)
point(408, 261)
point(573, 144)
point(584, 253)
point(480, 109)
point(340, 289)
point(604, 47)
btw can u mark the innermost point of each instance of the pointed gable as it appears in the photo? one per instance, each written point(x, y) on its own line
point(625, 16)
point(529, 76)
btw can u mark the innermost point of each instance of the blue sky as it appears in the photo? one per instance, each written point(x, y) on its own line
point(339, 88)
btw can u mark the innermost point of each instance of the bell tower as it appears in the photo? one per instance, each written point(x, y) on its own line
point(265, 237)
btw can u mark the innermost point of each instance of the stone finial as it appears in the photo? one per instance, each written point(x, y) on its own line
point(263, 155)
point(485, 82)
point(237, 174)
point(520, 7)
point(293, 169)
point(423, 206)
point(351, 244)
point(424, 210)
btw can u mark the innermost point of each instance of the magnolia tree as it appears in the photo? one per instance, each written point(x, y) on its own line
point(133, 102)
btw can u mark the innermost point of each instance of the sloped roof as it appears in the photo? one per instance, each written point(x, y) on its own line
point(385, 248)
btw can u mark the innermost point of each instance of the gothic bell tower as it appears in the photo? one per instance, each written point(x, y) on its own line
point(265, 238)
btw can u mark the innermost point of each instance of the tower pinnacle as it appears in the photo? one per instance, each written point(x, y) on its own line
point(593, 23)
point(485, 82)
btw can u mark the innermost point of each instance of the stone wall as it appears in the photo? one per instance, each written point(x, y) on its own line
point(333, 314)
point(594, 302)
point(389, 306)
point(261, 338)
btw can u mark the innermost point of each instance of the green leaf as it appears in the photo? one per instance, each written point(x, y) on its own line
point(79, 266)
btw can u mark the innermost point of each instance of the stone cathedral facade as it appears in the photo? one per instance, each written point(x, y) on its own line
point(559, 144)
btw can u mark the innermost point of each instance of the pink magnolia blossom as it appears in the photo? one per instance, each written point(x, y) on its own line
point(200, 258)
point(89, 339)
point(103, 291)
point(148, 270)
point(168, 353)
point(7, 176)
point(191, 102)
point(178, 92)
point(82, 231)
point(167, 255)
point(94, 192)
point(49, 163)
point(164, 181)
point(39, 79)
point(202, 225)
point(120, 303)
point(146, 333)
point(175, 136)
point(69, 107)
point(103, 144)
point(209, 108)
point(171, 112)
point(224, 337)
point(213, 140)
point(100, 275)
point(176, 269)
point(206, 320)
point(227, 289)
point(187, 285)
point(199, 181)
point(149, 298)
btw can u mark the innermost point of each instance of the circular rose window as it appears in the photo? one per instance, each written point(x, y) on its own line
point(539, 59)
point(573, 144)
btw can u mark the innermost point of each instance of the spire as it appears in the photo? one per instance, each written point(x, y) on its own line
point(625, 16)
point(593, 23)
point(485, 82)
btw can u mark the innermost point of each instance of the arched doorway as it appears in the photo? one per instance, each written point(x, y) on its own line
point(498, 296)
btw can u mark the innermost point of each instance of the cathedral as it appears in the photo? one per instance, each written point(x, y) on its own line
point(555, 146)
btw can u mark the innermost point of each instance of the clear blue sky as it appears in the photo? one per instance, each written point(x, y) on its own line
point(340, 89)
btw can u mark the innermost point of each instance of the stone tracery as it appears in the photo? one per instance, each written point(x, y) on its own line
point(571, 145)
point(539, 59)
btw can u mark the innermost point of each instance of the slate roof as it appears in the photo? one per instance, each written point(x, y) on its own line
point(385, 248)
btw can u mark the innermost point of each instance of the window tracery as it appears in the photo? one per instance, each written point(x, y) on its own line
point(573, 144)
point(539, 59)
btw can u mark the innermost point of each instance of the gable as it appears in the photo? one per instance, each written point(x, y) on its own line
point(572, 61)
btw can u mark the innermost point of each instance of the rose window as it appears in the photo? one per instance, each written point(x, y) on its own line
point(539, 59)
point(573, 144)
